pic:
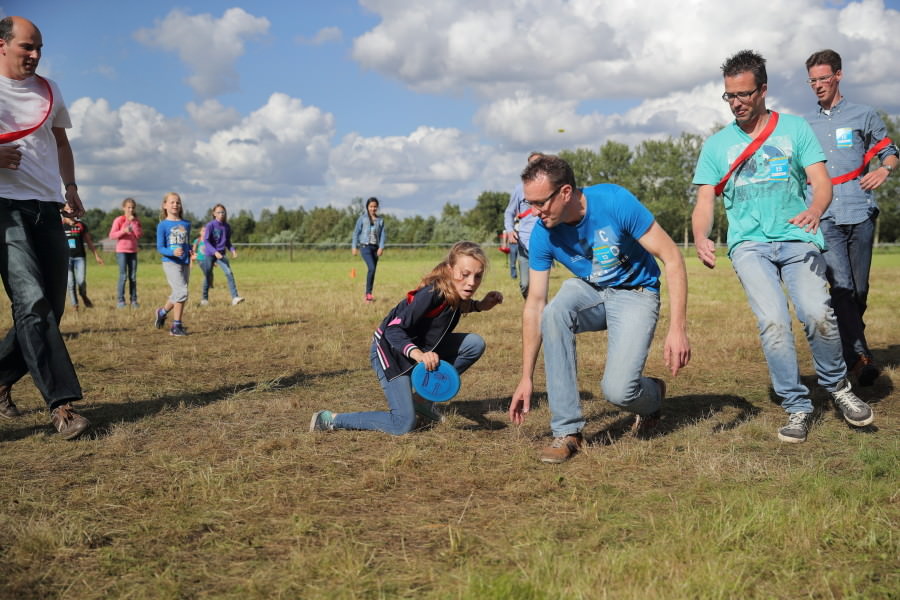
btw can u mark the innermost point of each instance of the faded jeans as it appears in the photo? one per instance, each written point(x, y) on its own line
point(459, 349)
point(207, 267)
point(762, 268)
point(629, 317)
point(849, 258)
point(34, 258)
point(127, 270)
point(76, 284)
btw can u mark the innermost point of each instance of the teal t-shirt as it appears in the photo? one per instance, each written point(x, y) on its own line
point(770, 187)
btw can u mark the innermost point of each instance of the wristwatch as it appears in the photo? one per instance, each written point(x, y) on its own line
point(889, 168)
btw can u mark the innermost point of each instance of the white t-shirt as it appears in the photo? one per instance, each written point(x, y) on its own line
point(23, 103)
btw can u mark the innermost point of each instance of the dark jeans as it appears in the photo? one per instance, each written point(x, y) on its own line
point(34, 260)
point(206, 265)
point(369, 253)
point(127, 270)
point(849, 258)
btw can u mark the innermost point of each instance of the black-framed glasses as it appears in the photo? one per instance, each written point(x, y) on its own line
point(742, 96)
point(539, 204)
point(825, 79)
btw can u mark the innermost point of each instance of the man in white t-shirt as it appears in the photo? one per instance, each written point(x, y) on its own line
point(35, 160)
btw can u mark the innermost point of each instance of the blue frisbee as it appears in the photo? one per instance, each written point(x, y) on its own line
point(439, 385)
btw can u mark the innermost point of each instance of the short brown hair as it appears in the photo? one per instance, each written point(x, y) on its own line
point(824, 57)
point(555, 169)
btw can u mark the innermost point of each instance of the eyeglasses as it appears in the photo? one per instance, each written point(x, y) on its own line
point(815, 80)
point(539, 204)
point(742, 96)
point(219, 212)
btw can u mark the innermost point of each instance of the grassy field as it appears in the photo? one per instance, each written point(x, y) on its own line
point(200, 479)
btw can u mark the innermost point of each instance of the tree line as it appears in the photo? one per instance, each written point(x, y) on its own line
point(658, 172)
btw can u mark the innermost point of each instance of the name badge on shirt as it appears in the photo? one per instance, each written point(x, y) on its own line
point(843, 137)
point(778, 168)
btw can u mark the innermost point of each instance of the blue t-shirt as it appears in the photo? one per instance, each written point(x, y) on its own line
point(769, 187)
point(603, 247)
point(171, 235)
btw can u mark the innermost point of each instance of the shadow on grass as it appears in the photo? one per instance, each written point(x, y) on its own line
point(71, 335)
point(103, 416)
point(679, 412)
point(230, 327)
point(477, 410)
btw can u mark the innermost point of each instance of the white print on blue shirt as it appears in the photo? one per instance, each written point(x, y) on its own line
point(771, 163)
point(608, 256)
point(843, 137)
point(178, 236)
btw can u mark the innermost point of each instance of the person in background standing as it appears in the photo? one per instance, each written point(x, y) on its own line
point(216, 240)
point(126, 230)
point(369, 237)
point(518, 221)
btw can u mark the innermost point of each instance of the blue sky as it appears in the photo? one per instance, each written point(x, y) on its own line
point(310, 103)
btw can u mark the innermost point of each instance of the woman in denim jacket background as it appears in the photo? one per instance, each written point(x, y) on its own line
point(368, 236)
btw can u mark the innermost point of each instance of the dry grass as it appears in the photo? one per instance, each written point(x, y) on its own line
point(200, 479)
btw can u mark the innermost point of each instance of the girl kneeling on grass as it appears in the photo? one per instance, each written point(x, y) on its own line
point(420, 329)
point(173, 241)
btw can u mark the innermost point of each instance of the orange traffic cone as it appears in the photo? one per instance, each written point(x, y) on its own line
point(353, 273)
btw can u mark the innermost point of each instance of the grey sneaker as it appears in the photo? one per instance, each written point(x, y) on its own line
point(236, 300)
point(322, 420)
point(160, 318)
point(204, 302)
point(855, 411)
point(795, 430)
point(68, 422)
point(8, 409)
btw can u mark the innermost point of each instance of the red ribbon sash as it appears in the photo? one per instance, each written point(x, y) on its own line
point(748, 151)
point(12, 136)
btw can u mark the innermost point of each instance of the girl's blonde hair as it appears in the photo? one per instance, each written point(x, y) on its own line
point(442, 275)
point(163, 214)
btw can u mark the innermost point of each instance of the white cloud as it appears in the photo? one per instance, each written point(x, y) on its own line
point(212, 115)
point(209, 46)
point(323, 36)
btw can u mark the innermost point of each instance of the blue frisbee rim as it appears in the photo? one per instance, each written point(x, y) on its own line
point(439, 385)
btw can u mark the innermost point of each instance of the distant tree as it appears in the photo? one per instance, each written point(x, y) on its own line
point(450, 228)
point(887, 227)
point(584, 163)
point(486, 217)
point(242, 225)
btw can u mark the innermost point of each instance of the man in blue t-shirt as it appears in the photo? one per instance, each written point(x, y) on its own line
point(847, 131)
point(609, 240)
point(773, 238)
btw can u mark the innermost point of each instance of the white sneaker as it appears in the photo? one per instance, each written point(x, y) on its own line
point(236, 300)
point(204, 303)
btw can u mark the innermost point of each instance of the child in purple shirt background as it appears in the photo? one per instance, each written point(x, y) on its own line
point(216, 241)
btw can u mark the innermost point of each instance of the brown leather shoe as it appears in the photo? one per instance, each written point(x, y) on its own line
point(8, 409)
point(562, 449)
point(68, 422)
point(644, 425)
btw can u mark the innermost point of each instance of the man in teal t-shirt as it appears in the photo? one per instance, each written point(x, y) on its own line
point(774, 239)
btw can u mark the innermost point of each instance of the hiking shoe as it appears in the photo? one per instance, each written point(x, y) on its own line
point(178, 330)
point(865, 371)
point(236, 300)
point(87, 302)
point(428, 410)
point(8, 409)
point(644, 425)
point(160, 318)
point(795, 430)
point(562, 449)
point(322, 420)
point(204, 302)
point(855, 411)
point(68, 422)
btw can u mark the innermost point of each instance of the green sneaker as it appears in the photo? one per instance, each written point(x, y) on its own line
point(322, 420)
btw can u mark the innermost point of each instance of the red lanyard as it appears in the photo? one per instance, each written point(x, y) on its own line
point(15, 135)
point(750, 149)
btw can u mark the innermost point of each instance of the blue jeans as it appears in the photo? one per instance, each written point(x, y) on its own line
point(459, 349)
point(513, 255)
point(76, 284)
point(369, 253)
point(629, 317)
point(849, 258)
point(762, 267)
point(522, 261)
point(209, 262)
point(34, 258)
point(127, 270)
